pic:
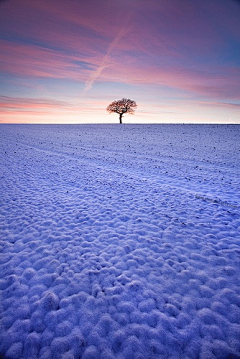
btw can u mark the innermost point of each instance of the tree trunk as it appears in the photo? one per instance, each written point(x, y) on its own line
point(120, 117)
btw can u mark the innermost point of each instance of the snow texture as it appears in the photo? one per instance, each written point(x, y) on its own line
point(120, 241)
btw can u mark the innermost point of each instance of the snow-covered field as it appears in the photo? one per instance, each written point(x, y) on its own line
point(120, 241)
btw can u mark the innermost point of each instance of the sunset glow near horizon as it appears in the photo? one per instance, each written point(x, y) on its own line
point(64, 61)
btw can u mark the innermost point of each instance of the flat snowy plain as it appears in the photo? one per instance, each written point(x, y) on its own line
point(120, 241)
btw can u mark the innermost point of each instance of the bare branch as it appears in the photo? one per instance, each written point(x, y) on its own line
point(125, 105)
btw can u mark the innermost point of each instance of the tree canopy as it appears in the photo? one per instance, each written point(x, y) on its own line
point(125, 105)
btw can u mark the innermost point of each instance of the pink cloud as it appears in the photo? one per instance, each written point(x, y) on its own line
point(157, 28)
point(35, 61)
point(31, 60)
point(218, 104)
point(27, 103)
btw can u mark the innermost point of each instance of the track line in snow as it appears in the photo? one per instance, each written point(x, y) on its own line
point(114, 260)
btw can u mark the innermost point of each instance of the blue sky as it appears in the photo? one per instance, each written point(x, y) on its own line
point(65, 61)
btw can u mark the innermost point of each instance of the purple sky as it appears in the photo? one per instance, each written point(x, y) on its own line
point(64, 61)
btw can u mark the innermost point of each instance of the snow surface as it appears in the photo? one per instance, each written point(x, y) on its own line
point(120, 241)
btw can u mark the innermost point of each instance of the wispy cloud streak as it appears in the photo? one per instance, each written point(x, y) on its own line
point(106, 62)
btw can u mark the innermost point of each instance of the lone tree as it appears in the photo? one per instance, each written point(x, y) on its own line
point(125, 105)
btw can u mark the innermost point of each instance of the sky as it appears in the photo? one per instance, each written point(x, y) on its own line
point(65, 61)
